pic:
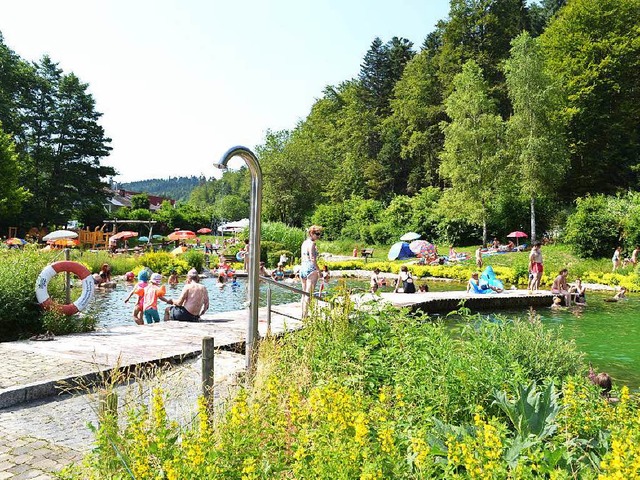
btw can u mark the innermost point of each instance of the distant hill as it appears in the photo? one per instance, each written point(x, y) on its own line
point(178, 188)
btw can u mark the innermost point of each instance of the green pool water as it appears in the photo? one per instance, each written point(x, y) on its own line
point(608, 333)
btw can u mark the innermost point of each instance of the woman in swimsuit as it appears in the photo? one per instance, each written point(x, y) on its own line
point(309, 271)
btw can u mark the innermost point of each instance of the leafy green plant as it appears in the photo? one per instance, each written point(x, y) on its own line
point(194, 259)
point(163, 262)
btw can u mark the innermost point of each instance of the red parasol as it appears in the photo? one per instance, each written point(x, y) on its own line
point(181, 235)
point(204, 230)
point(123, 236)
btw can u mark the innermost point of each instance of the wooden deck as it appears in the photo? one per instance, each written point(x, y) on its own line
point(445, 302)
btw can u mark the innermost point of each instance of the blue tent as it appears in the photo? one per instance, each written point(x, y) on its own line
point(400, 251)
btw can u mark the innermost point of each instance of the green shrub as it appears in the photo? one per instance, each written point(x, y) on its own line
point(289, 238)
point(194, 258)
point(268, 251)
point(594, 230)
point(59, 324)
point(163, 262)
point(20, 314)
point(120, 264)
point(384, 394)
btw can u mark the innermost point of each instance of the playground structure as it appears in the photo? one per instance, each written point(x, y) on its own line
point(96, 239)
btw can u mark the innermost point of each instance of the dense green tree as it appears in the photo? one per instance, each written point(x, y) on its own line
point(381, 68)
point(480, 30)
point(295, 172)
point(594, 50)
point(61, 145)
point(15, 77)
point(471, 160)
point(12, 196)
point(415, 123)
point(140, 201)
point(540, 14)
point(535, 130)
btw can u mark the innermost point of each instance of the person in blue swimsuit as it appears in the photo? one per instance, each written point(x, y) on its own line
point(309, 271)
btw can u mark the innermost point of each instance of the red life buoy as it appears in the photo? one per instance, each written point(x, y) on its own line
point(48, 272)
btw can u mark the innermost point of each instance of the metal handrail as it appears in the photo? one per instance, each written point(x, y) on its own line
point(282, 285)
point(270, 281)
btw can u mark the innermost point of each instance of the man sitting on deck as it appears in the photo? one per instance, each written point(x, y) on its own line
point(193, 301)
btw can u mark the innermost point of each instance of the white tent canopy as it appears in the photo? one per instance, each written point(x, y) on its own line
point(234, 226)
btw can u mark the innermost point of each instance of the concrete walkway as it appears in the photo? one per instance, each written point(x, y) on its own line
point(41, 430)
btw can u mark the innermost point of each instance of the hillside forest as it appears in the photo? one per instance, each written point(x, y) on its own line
point(509, 116)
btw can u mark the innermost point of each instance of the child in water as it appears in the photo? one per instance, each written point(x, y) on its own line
point(151, 293)
point(143, 278)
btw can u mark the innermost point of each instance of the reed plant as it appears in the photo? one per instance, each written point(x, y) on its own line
point(120, 264)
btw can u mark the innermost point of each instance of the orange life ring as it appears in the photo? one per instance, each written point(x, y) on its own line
point(48, 272)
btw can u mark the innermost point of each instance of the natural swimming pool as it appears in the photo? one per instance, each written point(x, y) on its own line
point(608, 333)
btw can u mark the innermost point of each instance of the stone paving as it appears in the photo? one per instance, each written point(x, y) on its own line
point(41, 437)
point(42, 430)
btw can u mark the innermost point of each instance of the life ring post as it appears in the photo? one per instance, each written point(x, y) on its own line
point(67, 278)
point(88, 286)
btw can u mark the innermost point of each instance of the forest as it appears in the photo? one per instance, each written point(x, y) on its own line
point(504, 117)
point(176, 188)
point(509, 115)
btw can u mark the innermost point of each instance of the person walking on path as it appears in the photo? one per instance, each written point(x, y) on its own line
point(309, 271)
point(193, 301)
point(535, 266)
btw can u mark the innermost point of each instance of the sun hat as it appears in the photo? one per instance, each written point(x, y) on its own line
point(143, 276)
point(156, 278)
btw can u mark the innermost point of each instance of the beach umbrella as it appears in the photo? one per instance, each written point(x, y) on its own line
point(181, 235)
point(125, 235)
point(204, 230)
point(178, 250)
point(422, 248)
point(143, 239)
point(58, 234)
point(517, 235)
point(16, 241)
point(157, 237)
point(407, 237)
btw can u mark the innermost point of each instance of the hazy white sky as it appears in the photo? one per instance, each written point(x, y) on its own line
point(181, 81)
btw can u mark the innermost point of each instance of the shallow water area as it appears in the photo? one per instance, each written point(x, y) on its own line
point(111, 311)
point(608, 333)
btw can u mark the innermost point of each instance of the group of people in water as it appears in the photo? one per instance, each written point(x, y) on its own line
point(188, 307)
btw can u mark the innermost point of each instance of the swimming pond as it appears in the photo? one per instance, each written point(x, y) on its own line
point(608, 333)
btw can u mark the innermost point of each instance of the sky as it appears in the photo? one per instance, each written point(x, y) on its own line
point(179, 82)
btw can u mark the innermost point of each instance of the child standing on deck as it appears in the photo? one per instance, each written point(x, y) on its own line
point(152, 292)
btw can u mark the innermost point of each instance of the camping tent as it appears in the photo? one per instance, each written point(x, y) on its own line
point(400, 251)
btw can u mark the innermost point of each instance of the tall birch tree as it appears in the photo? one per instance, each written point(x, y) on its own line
point(534, 131)
point(471, 160)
